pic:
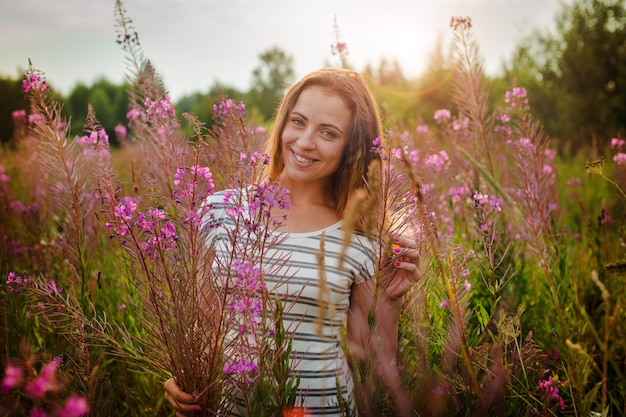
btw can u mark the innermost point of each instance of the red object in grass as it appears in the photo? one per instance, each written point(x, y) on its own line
point(293, 412)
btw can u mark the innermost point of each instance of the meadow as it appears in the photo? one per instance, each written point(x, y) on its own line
point(107, 287)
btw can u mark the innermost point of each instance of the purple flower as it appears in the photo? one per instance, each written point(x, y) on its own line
point(444, 304)
point(33, 82)
point(620, 158)
point(516, 96)
point(441, 115)
point(421, 129)
point(378, 146)
point(133, 114)
point(480, 199)
point(52, 287)
point(38, 412)
point(18, 114)
point(125, 208)
point(120, 131)
point(439, 162)
point(13, 376)
point(16, 282)
point(159, 109)
point(45, 382)
point(75, 406)
point(225, 107)
point(551, 390)
point(617, 143)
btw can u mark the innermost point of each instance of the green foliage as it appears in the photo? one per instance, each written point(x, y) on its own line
point(109, 101)
point(12, 100)
point(575, 76)
point(270, 79)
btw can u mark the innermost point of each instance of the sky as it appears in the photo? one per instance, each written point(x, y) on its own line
point(195, 43)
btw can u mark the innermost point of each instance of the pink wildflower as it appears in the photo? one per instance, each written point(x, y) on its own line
point(458, 125)
point(18, 114)
point(225, 107)
point(421, 129)
point(159, 109)
point(52, 287)
point(13, 376)
point(462, 23)
point(3, 176)
point(16, 282)
point(396, 153)
point(33, 81)
point(438, 161)
point(441, 115)
point(620, 158)
point(34, 118)
point(551, 390)
point(133, 114)
point(46, 381)
point(617, 143)
point(75, 406)
point(125, 208)
point(38, 412)
point(378, 146)
point(444, 304)
point(516, 96)
point(120, 132)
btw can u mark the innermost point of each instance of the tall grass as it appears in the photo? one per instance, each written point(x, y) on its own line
point(520, 310)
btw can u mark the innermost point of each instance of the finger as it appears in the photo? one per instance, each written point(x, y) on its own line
point(406, 253)
point(410, 267)
point(404, 241)
point(172, 388)
point(181, 401)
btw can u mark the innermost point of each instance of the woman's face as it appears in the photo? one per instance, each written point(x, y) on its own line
point(314, 137)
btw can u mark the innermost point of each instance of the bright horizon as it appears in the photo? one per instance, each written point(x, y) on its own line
point(195, 43)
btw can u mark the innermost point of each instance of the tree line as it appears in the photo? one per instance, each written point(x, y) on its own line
point(575, 77)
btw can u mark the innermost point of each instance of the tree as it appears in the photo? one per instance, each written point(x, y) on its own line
point(109, 101)
point(576, 77)
point(270, 79)
point(12, 100)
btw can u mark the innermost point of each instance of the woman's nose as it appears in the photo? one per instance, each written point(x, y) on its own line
point(307, 139)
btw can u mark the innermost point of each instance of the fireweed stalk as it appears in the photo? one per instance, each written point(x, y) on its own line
point(189, 300)
point(168, 242)
point(67, 205)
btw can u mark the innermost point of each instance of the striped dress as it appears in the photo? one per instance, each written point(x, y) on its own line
point(291, 272)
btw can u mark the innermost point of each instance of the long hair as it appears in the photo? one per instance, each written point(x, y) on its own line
point(365, 126)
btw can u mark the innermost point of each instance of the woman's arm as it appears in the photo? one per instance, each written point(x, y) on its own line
point(378, 339)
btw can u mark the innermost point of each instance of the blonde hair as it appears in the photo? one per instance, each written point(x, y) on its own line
point(365, 126)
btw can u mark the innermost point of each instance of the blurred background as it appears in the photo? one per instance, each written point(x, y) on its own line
point(569, 55)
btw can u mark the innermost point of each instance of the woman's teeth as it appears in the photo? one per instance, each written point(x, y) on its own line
point(302, 159)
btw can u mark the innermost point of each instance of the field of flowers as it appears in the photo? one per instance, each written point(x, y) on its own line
point(107, 287)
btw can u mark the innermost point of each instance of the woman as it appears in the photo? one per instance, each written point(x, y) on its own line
point(320, 151)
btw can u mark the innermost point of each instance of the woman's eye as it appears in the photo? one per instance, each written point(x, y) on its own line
point(297, 122)
point(329, 134)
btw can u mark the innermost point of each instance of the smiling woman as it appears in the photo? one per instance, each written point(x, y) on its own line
point(328, 274)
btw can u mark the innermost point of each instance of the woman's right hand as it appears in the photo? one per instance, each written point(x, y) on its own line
point(183, 403)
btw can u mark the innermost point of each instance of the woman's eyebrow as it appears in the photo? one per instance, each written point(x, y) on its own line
point(297, 113)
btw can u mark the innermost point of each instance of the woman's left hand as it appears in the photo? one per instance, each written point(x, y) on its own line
point(402, 272)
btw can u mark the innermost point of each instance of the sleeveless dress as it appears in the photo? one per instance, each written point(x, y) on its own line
point(292, 273)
